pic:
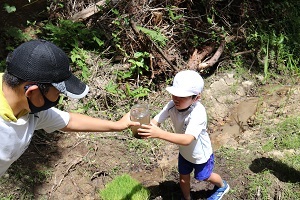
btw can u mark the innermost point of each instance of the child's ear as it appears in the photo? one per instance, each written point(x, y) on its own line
point(198, 97)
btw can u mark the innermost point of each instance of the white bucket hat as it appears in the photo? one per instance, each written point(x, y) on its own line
point(186, 83)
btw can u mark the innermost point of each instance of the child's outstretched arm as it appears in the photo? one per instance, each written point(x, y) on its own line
point(153, 131)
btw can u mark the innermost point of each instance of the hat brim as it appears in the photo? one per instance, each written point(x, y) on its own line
point(72, 87)
point(179, 92)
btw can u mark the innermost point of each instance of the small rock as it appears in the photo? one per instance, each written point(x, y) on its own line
point(247, 84)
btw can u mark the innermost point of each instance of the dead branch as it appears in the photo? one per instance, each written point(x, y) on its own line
point(197, 58)
point(243, 52)
point(151, 67)
point(73, 165)
point(89, 11)
point(213, 59)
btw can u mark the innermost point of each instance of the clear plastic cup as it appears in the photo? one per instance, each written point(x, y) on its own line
point(139, 113)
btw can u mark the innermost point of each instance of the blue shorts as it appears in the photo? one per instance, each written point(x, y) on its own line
point(202, 171)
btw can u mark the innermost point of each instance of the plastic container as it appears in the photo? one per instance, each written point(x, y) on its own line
point(139, 113)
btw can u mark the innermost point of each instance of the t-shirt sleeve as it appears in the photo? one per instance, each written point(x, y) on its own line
point(52, 119)
point(164, 113)
point(198, 122)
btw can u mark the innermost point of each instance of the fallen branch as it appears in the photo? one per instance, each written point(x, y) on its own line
point(237, 54)
point(87, 12)
point(197, 58)
point(73, 165)
point(213, 59)
point(151, 67)
point(243, 52)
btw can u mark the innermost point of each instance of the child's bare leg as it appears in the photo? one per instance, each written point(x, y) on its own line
point(216, 180)
point(185, 186)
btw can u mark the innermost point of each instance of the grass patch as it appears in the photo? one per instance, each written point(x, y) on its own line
point(124, 187)
point(277, 173)
point(259, 185)
point(286, 134)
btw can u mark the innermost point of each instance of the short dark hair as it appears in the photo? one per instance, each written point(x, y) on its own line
point(13, 82)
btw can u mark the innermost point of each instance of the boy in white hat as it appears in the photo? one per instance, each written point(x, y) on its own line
point(189, 118)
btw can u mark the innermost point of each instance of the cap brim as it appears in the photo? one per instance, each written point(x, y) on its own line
point(72, 87)
point(179, 92)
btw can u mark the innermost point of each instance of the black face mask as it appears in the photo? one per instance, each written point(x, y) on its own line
point(47, 104)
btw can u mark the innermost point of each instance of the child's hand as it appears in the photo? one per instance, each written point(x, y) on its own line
point(149, 131)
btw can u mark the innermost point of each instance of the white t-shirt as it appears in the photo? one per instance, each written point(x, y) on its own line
point(192, 121)
point(16, 136)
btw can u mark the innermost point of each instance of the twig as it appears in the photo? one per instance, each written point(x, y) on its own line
point(73, 165)
point(156, 9)
point(54, 188)
point(98, 174)
point(30, 3)
point(77, 144)
point(243, 52)
point(151, 67)
point(162, 170)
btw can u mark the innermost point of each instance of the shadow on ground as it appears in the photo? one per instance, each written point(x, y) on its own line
point(282, 171)
point(171, 190)
point(32, 168)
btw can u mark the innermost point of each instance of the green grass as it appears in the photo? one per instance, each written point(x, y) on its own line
point(286, 133)
point(279, 168)
point(124, 187)
point(3, 197)
point(259, 185)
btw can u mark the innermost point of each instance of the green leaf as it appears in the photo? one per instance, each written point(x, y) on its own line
point(9, 9)
point(154, 35)
point(99, 42)
point(138, 54)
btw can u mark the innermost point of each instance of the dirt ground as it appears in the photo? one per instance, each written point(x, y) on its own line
point(80, 164)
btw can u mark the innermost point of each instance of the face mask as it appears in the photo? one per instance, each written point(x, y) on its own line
point(47, 104)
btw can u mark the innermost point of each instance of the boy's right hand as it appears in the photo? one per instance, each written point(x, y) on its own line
point(149, 131)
